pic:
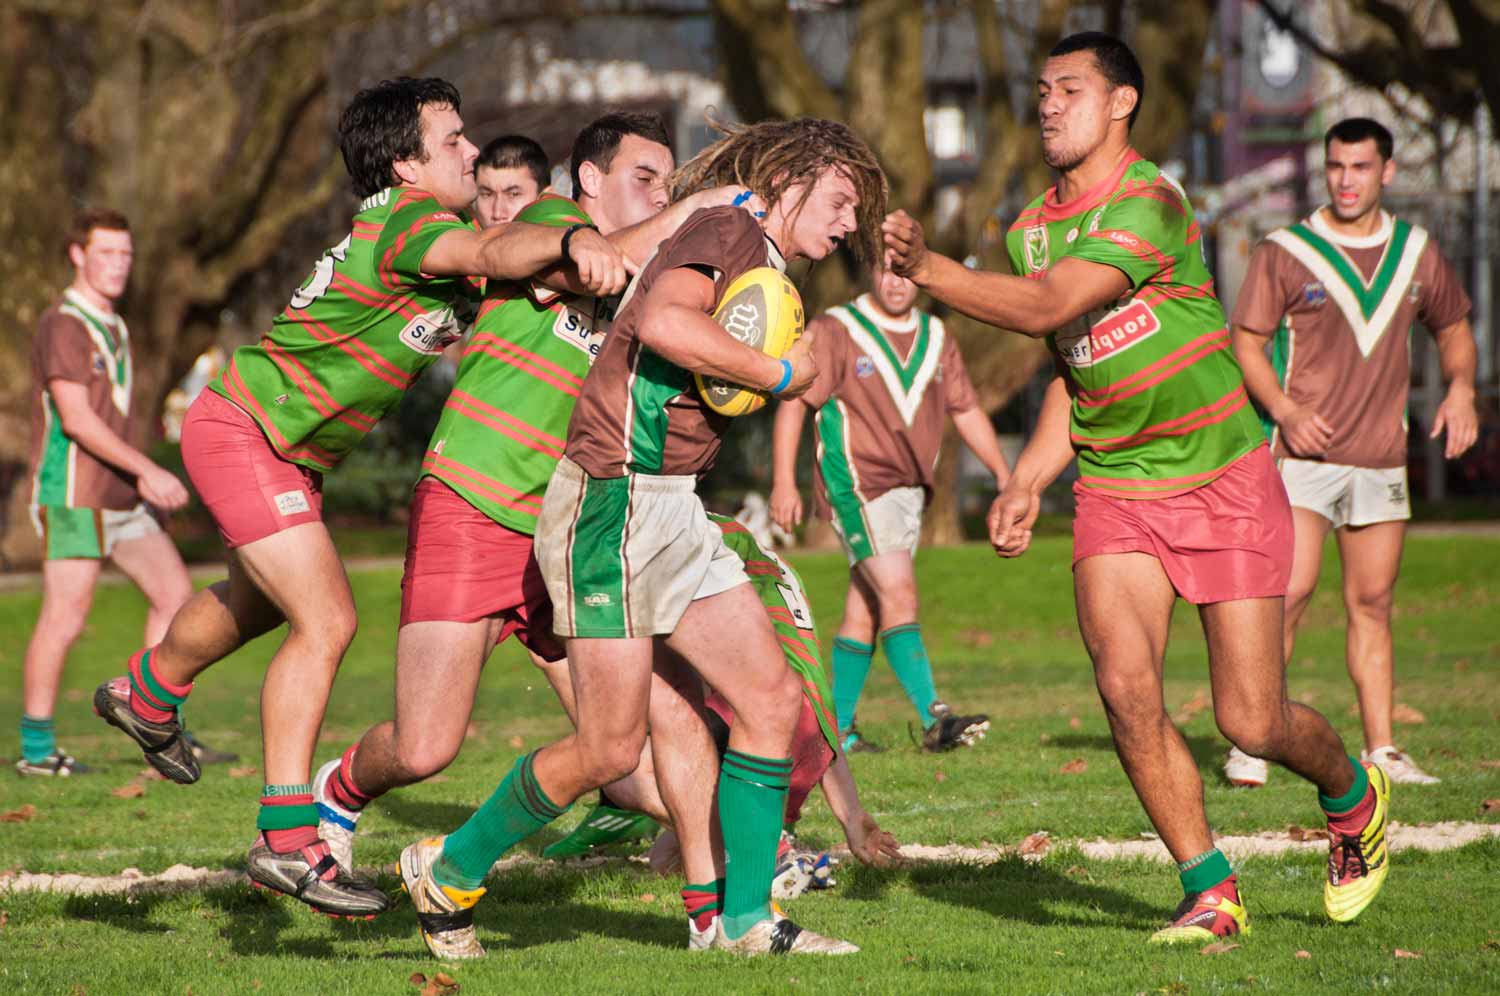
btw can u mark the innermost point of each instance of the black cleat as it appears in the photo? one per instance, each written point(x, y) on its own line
point(293, 875)
point(163, 744)
point(949, 731)
point(856, 742)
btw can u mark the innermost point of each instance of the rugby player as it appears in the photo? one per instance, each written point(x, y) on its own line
point(511, 172)
point(377, 310)
point(1177, 494)
point(889, 377)
point(1335, 297)
point(630, 558)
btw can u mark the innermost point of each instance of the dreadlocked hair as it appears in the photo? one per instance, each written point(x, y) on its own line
point(769, 157)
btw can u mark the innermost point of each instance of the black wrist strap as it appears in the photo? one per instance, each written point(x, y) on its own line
point(568, 237)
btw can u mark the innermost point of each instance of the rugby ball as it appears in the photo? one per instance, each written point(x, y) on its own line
point(763, 310)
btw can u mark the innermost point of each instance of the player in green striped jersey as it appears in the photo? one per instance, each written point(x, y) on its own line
point(377, 309)
point(1176, 495)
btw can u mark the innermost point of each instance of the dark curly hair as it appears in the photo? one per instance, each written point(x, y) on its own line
point(383, 125)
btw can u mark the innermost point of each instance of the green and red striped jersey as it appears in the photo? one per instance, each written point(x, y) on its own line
point(356, 334)
point(502, 430)
point(1159, 405)
point(781, 592)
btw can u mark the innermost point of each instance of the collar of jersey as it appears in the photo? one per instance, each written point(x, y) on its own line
point(77, 300)
point(866, 304)
point(773, 252)
point(1381, 237)
point(1053, 211)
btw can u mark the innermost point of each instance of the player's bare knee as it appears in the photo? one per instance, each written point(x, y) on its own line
point(1256, 732)
point(1369, 607)
point(416, 761)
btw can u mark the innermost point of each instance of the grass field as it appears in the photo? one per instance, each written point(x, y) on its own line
point(1004, 640)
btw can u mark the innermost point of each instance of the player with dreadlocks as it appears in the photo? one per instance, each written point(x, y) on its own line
point(631, 561)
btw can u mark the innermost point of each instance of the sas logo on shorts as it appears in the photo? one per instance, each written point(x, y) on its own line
point(1113, 334)
point(864, 366)
point(597, 600)
point(1314, 294)
point(292, 503)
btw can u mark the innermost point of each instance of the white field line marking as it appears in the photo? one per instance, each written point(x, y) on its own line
point(1430, 837)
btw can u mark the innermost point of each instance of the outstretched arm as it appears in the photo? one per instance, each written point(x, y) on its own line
point(1070, 289)
point(517, 250)
point(867, 841)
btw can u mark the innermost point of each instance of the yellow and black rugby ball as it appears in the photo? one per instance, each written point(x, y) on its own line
point(763, 310)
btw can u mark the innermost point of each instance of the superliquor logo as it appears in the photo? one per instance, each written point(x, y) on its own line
point(1111, 335)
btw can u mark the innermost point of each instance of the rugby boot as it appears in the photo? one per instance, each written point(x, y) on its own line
point(603, 825)
point(949, 731)
point(163, 744)
point(702, 940)
point(58, 764)
point(779, 935)
point(1399, 766)
point(295, 874)
point(1245, 771)
point(335, 823)
point(1359, 858)
point(855, 742)
point(445, 915)
point(1206, 916)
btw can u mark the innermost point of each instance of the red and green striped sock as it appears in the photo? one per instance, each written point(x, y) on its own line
point(152, 697)
point(341, 786)
point(289, 820)
point(703, 902)
point(752, 802)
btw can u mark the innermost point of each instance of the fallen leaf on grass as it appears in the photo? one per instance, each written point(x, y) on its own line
point(939, 776)
point(1217, 948)
point(1304, 954)
point(417, 979)
point(1487, 806)
point(1074, 767)
point(435, 780)
point(132, 791)
point(1192, 706)
point(517, 741)
point(977, 637)
point(1074, 722)
point(1489, 764)
point(1036, 845)
point(1403, 953)
point(244, 772)
point(74, 695)
point(150, 775)
point(444, 979)
point(431, 989)
point(22, 815)
point(1044, 738)
point(4, 918)
point(1303, 833)
point(1404, 713)
point(647, 897)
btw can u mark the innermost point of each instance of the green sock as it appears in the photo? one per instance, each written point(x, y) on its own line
point(1204, 872)
point(851, 666)
point(1351, 798)
point(908, 656)
point(516, 810)
point(752, 803)
point(37, 738)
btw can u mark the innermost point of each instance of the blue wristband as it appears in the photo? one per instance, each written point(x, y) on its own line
point(786, 377)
